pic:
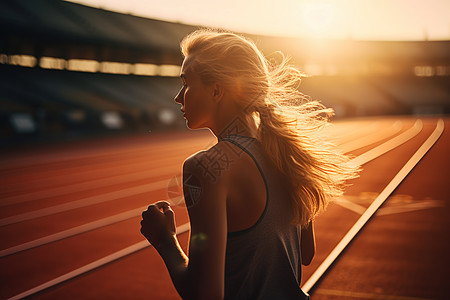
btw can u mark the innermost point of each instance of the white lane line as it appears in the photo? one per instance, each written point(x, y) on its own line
point(73, 231)
point(140, 189)
point(151, 148)
point(420, 205)
point(389, 145)
point(57, 236)
point(359, 209)
point(360, 295)
point(96, 264)
point(356, 133)
point(395, 128)
point(394, 209)
point(67, 177)
point(91, 184)
point(404, 171)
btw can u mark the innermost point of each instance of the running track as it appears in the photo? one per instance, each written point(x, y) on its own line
point(70, 213)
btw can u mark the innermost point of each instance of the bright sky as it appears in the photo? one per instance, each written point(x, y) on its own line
point(357, 19)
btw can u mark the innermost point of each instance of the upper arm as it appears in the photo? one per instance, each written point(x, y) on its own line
point(206, 202)
point(308, 244)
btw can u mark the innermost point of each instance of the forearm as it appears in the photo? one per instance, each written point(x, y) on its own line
point(176, 262)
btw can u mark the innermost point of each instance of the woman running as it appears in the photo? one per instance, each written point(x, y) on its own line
point(253, 196)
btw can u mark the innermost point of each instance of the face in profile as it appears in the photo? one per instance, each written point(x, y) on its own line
point(195, 97)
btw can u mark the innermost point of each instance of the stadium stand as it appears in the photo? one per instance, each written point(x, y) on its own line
point(69, 70)
point(77, 100)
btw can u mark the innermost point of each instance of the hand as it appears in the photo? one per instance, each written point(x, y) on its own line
point(156, 225)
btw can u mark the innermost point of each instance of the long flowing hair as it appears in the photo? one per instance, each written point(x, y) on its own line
point(289, 122)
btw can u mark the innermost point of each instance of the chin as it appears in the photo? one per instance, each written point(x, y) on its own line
point(194, 126)
point(191, 125)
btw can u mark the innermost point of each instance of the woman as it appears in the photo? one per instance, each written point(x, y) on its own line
point(253, 196)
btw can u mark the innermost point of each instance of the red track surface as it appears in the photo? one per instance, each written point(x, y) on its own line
point(401, 252)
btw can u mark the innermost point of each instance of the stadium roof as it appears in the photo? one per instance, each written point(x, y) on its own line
point(68, 30)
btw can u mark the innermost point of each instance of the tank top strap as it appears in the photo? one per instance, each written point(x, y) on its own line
point(242, 141)
point(251, 146)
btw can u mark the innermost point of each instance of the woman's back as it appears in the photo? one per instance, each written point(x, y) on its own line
point(246, 198)
point(263, 261)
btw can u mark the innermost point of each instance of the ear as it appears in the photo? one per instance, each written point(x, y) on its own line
point(218, 92)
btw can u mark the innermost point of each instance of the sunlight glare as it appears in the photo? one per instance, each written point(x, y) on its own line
point(318, 17)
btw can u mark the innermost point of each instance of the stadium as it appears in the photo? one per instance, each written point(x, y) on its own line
point(90, 132)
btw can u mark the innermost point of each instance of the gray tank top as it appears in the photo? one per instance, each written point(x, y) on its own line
point(264, 261)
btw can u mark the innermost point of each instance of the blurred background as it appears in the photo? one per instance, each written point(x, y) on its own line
point(75, 70)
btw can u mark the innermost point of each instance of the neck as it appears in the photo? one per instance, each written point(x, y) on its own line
point(234, 123)
point(229, 118)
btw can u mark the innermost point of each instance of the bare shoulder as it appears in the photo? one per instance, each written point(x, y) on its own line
point(224, 179)
point(206, 175)
point(213, 165)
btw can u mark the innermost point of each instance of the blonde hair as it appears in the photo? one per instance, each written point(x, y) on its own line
point(289, 121)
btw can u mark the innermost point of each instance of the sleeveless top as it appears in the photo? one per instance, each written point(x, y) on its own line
point(264, 261)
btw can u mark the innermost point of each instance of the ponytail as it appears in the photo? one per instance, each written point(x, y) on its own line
point(290, 125)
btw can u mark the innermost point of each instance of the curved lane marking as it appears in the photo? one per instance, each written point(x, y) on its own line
point(371, 210)
point(366, 140)
point(389, 145)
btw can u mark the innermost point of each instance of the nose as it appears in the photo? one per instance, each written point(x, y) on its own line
point(179, 98)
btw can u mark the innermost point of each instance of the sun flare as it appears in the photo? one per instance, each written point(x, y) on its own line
point(318, 17)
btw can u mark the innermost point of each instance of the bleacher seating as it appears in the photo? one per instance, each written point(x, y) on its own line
point(63, 103)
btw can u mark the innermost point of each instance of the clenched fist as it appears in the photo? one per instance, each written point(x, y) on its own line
point(158, 223)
